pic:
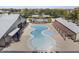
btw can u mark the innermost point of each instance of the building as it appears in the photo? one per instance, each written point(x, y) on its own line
point(67, 29)
point(40, 18)
point(3, 11)
point(11, 26)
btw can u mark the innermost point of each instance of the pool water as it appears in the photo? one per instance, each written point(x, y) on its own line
point(39, 40)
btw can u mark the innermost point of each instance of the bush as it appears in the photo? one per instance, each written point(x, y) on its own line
point(49, 20)
point(30, 19)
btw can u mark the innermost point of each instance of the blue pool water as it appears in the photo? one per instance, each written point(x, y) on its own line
point(39, 40)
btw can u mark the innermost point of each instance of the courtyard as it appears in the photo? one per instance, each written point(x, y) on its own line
point(25, 45)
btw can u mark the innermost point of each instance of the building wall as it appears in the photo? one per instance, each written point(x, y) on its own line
point(40, 20)
point(2, 42)
point(64, 31)
point(77, 37)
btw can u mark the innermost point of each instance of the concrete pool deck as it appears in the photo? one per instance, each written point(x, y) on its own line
point(61, 44)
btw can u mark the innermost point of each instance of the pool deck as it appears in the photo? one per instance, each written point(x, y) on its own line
point(24, 43)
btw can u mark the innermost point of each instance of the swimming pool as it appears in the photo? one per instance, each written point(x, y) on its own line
point(41, 41)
